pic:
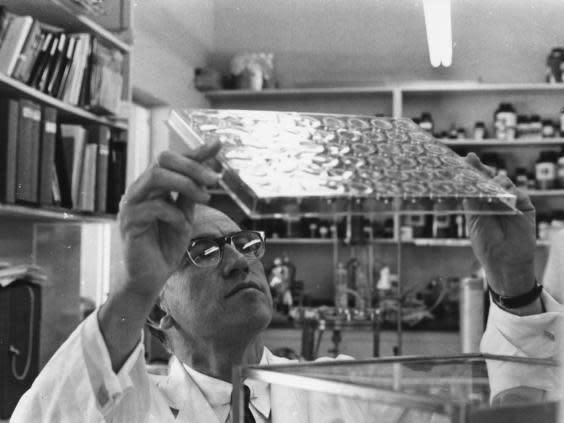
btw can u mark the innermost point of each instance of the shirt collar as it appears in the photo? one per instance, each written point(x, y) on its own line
point(218, 392)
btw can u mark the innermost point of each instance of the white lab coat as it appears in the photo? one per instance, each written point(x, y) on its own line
point(78, 384)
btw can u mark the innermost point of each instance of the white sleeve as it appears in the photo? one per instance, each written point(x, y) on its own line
point(78, 383)
point(553, 278)
point(535, 336)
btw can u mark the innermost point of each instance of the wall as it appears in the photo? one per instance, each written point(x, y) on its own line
point(321, 42)
point(171, 38)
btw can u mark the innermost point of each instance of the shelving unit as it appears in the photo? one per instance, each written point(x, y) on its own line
point(70, 245)
point(461, 103)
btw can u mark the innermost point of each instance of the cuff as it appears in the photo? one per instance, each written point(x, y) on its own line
point(525, 336)
point(108, 386)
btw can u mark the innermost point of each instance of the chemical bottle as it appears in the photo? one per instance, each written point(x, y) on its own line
point(505, 122)
point(545, 170)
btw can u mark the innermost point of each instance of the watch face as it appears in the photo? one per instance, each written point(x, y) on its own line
point(271, 159)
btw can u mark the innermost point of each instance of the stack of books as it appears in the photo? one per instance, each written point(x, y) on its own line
point(46, 163)
point(73, 67)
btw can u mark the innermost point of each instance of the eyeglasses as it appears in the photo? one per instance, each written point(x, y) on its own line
point(208, 252)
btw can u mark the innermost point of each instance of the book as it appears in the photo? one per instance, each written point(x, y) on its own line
point(68, 61)
point(50, 63)
point(63, 171)
point(47, 155)
point(13, 42)
point(29, 53)
point(55, 184)
point(42, 60)
point(27, 155)
point(84, 87)
point(59, 63)
point(73, 140)
point(100, 134)
point(316, 164)
point(116, 170)
point(77, 71)
point(9, 119)
point(87, 191)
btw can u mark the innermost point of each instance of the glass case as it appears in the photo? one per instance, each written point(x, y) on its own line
point(464, 388)
point(276, 164)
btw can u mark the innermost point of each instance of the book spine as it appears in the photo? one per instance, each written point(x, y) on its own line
point(47, 155)
point(27, 157)
point(13, 43)
point(29, 53)
point(9, 116)
point(102, 162)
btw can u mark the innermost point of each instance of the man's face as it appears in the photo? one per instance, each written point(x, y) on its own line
point(208, 303)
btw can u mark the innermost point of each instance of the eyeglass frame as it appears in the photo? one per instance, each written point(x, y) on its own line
point(221, 242)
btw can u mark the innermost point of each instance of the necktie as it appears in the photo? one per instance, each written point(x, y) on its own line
point(249, 418)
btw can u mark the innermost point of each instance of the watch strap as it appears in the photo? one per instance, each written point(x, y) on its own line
point(517, 300)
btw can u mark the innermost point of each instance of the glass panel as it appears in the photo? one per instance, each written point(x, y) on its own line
point(454, 388)
point(283, 163)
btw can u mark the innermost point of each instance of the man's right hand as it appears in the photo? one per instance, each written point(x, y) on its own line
point(155, 231)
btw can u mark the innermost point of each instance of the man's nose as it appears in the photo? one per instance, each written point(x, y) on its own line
point(234, 263)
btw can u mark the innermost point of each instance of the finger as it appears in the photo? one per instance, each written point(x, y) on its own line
point(523, 202)
point(134, 219)
point(205, 152)
point(159, 182)
point(187, 167)
point(473, 160)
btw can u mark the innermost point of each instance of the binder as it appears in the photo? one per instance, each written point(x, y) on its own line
point(47, 155)
point(73, 140)
point(117, 170)
point(27, 156)
point(101, 134)
point(9, 116)
point(63, 172)
point(13, 42)
point(87, 191)
point(29, 53)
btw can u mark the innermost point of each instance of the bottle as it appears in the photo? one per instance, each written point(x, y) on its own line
point(521, 179)
point(535, 127)
point(553, 65)
point(341, 295)
point(480, 131)
point(426, 122)
point(560, 170)
point(562, 124)
point(523, 126)
point(548, 129)
point(461, 133)
point(505, 122)
point(545, 170)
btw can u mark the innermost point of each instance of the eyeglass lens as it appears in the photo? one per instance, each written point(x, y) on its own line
point(207, 252)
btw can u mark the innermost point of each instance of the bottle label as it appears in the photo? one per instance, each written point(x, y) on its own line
point(545, 171)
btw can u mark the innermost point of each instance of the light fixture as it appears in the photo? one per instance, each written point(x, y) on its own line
point(439, 31)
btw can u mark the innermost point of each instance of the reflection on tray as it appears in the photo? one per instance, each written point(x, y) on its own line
point(284, 163)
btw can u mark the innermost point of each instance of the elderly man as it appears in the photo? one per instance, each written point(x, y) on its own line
point(200, 279)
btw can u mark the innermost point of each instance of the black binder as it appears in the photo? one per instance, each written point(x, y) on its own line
point(20, 311)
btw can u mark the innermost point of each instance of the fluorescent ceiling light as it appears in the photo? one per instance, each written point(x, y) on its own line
point(439, 31)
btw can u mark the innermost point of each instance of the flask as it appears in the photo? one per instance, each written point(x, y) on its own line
point(341, 295)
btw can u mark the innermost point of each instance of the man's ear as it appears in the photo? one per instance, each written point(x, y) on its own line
point(159, 318)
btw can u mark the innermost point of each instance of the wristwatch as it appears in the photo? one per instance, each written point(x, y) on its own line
point(517, 300)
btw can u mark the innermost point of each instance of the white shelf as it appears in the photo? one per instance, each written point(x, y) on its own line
point(427, 87)
point(546, 193)
point(12, 86)
point(489, 142)
point(447, 242)
point(297, 92)
point(64, 14)
point(53, 214)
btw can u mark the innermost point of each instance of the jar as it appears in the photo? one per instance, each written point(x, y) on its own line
point(426, 122)
point(545, 170)
point(479, 131)
point(461, 134)
point(553, 65)
point(505, 122)
point(548, 129)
